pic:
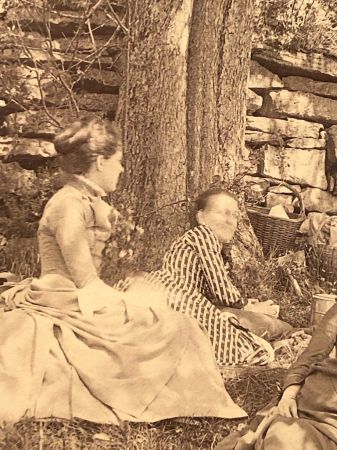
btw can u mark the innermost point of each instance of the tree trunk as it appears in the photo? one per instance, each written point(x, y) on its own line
point(218, 67)
point(185, 110)
point(155, 159)
point(219, 53)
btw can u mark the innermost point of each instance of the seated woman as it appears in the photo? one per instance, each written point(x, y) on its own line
point(72, 346)
point(194, 267)
point(306, 415)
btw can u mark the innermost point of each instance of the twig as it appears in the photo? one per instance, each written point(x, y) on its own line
point(79, 29)
point(44, 11)
point(93, 9)
point(63, 83)
point(70, 93)
point(159, 208)
point(93, 56)
point(115, 16)
point(27, 51)
point(47, 23)
point(24, 108)
point(91, 35)
point(51, 117)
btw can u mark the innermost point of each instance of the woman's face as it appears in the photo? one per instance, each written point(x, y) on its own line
point(221, 215)
point(110, 170)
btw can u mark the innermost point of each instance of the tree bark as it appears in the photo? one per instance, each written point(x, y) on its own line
point(155, 159)
point(219, 54)
point(185, 110)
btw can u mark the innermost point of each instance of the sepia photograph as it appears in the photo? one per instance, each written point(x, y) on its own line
point(168, 225)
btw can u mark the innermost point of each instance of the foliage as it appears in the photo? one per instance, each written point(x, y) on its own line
point(23, 199)
point(307, 25)
point(20, 256)
point(269, 279)
point(119, 255)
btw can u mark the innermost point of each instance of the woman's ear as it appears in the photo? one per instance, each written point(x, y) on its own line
point(99, 162)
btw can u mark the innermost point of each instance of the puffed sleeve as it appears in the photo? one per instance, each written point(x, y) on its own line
point(319, 348)
point(209, 252)
point(68, 222)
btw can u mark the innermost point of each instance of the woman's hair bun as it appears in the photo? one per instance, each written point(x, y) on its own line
point(82, 141)
point(73, 137)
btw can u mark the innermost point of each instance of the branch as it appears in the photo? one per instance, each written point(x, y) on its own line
point(64, 84)
point(70, 93)
point(46, 19)
point(51, 117)
point(93, 56)
point(23, 107)
point(79, 29)
point(27, 51)
point(91, 34)
point(162, 207)
point(91, 11)
point(75, 61)
point(115, 16)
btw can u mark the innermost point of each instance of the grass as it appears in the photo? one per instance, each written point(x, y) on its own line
point(20, 256)
point(76, 435)
point(252, 389)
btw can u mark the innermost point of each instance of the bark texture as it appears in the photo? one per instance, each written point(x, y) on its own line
point(156, 122)
point(185, 110)
point(218, 64)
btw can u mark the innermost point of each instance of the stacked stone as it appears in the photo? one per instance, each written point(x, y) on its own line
point(291, 109)
point(33, 107)
point(291, 131)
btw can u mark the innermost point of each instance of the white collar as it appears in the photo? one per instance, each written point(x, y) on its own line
point(97, 189)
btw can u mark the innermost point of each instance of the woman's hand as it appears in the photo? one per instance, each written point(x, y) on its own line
point(287, 406)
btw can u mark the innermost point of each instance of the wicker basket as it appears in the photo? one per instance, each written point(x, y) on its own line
point(322, 259)
point(276, 235)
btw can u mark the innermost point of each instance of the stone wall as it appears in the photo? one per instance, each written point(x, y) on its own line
point(291, 131)
point(53, 70)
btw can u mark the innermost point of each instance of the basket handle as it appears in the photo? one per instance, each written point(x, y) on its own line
point(293, 190)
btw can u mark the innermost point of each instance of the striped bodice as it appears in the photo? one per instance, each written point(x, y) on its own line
point(195, 262)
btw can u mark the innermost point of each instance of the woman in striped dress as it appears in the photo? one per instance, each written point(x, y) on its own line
point(199, 286)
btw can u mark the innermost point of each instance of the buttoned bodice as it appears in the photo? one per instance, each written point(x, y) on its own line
point(73, 231)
